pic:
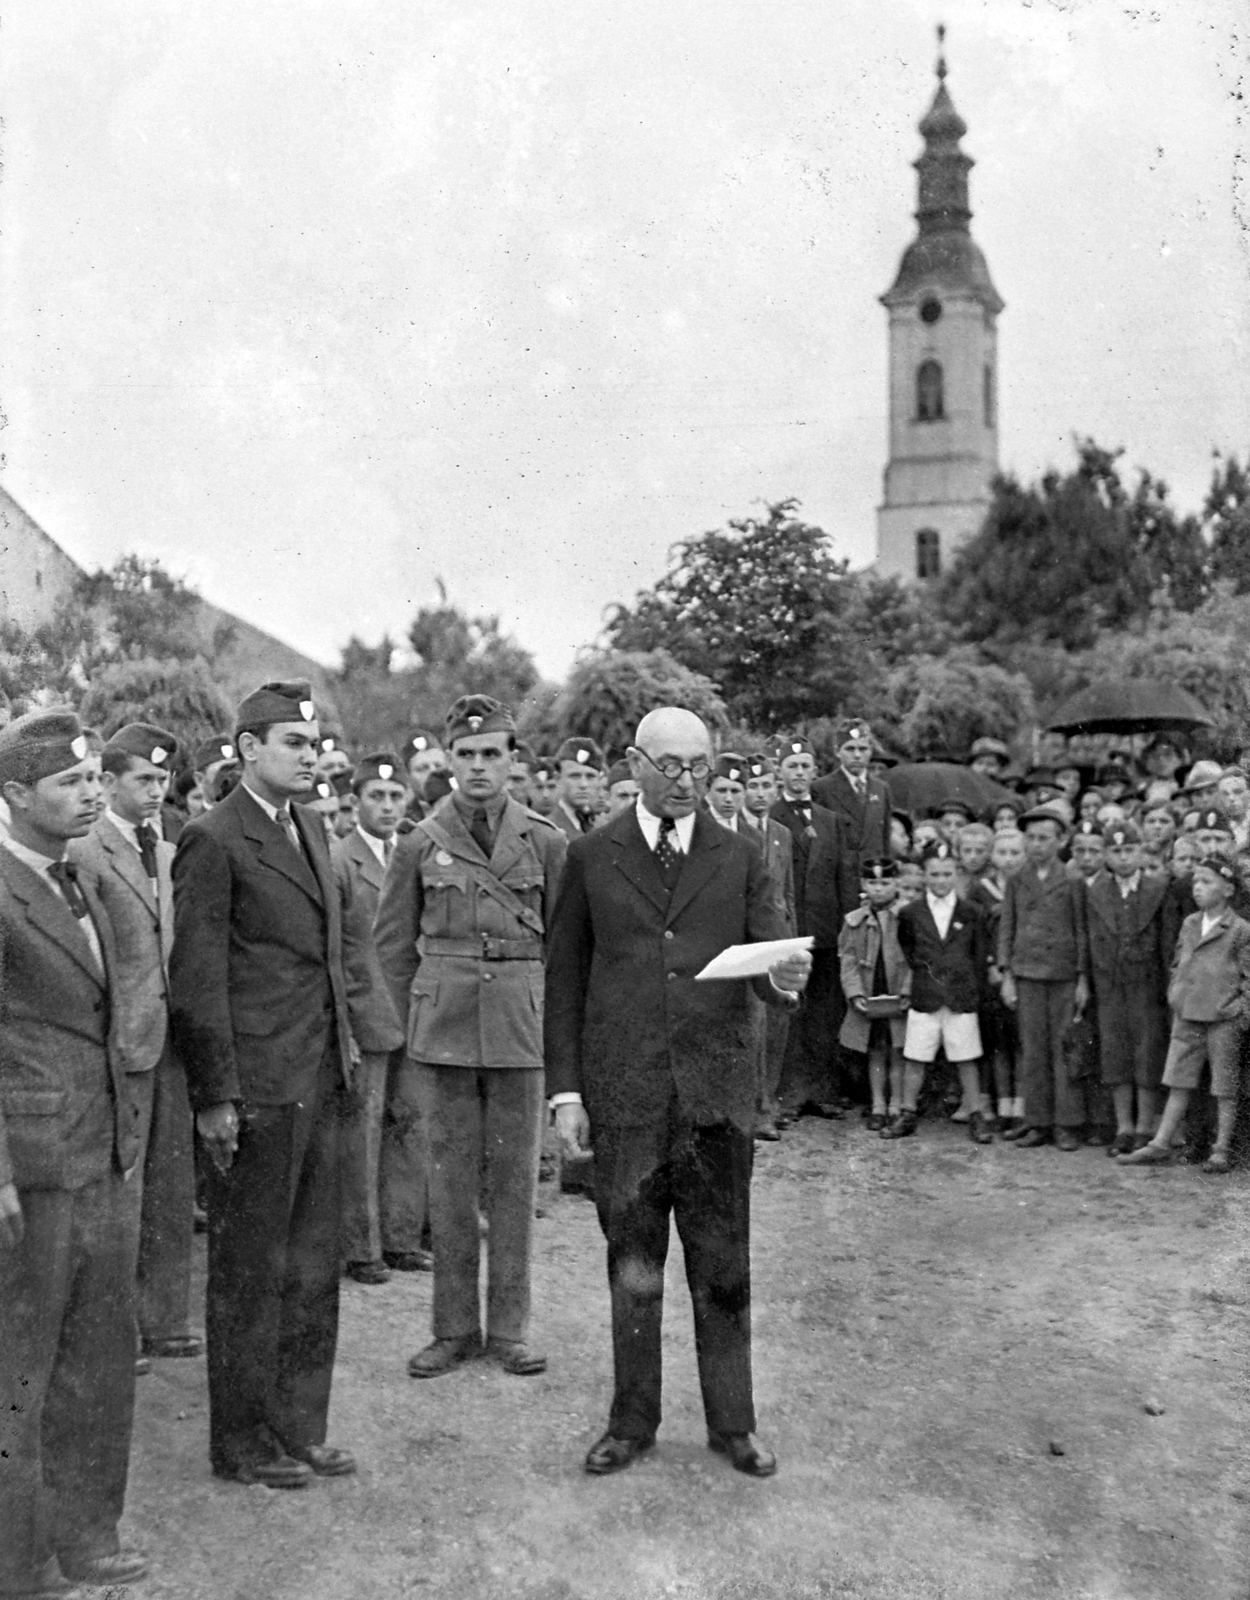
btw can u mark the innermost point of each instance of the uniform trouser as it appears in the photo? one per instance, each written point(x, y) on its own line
point(383, 1156)
point(1043, 1016)
point(163, 1189)
point(702, 1175)
point(483, 1131)
point(810, 1070)
point(67, 1376)
point(273, 1277)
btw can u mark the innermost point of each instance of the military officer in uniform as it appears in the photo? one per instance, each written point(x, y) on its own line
point(258, 1004)
point(460, 933)
point(69, 1136)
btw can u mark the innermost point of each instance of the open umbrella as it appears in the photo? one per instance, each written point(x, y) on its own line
point(919, 786)
point(1133, 705)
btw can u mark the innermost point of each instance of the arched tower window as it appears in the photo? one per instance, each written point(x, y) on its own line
point(929, 398)
point(928, 553)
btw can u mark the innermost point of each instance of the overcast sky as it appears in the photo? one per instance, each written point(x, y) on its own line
point(317, 302)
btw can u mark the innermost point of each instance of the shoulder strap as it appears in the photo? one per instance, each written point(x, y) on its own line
point(484, 877)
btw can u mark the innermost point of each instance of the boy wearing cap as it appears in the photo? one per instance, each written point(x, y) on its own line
point(1043, 955)
point(876, 981)
point(258, 1005)
point(944, 942)
point(460, 934)
point(425, 758)
point(622, 790)
point(383, 1166)
point(858, 798)
point(1209, 995)
point(826, 887)
point(211, 755)
point(1132, 932)
point(69, 1136)
point(128, 865)
point(989, 757)
point(1087, 852)
point(581, 768)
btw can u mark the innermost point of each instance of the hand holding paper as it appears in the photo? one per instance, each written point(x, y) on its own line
point(754, 960)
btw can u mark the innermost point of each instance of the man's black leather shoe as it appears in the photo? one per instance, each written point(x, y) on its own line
point(324, 1459)
point(744, 1454)
point(1033, 1138)
point(275, 1472)
point(610, 1454)
point(441, 1355)
point(123, 1566)
point(408, 1260)
point(368, 1272)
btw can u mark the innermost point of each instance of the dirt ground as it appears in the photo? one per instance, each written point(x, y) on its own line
point(934, 1323)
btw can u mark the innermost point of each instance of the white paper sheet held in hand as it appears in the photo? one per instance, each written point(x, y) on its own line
point(752, 960)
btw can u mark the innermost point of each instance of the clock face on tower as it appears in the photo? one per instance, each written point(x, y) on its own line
point(930, 310)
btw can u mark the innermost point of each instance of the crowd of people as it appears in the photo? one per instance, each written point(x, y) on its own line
point(343, 1008)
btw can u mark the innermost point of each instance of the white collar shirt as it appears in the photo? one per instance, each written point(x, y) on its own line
point(39, 864)
point(1129, 885)
point(942, 911)
point(679, 838)
point(378, 846)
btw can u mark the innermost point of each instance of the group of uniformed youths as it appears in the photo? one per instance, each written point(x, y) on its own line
point(369, 988)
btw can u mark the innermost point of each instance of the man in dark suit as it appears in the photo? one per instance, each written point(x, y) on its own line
point(860, 801)
point(128, 866)
point(384, 1188)
point(658, 1073)
point(826, 888)
point(259, 1012)
point(777, 843)
point(69, 1137)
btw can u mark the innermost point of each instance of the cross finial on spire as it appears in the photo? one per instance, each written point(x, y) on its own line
point(941, 61)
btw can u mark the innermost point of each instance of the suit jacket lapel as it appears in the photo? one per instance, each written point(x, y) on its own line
point(370, 868)
point(313, 833)
point(276, 850)
point(127, 863)
point(632, 857)
point(48, 911)
point(698, 866)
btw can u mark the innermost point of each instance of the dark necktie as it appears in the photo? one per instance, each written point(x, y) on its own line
point(287, 823)
point(586, 819)
point(667, 855)
point(479, 828)
point(146, 834)
point(66, 874)
point(388, 850)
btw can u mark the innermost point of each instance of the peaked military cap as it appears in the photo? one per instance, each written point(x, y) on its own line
point(477, 713)
point(382, 764)
point(585, 752)
point(732, 767)
point(40, 744)
point(145, 742)
point(878, 869)
point(284, 700)
point(1119, 833)
point(220, 747)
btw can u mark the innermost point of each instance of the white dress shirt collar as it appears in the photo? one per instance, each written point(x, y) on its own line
point(941, 910)
point(378, 846)
point(128, 830)
point(683, 829)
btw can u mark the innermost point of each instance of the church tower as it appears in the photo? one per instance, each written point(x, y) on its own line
point(943, 308)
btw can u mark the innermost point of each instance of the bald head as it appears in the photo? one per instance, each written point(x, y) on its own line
point(670, 737)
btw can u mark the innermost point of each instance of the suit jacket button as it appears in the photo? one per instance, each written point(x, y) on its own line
point(668, 933)
point(487, 976)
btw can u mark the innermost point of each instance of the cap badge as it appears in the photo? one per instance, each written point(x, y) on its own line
point(443, 859)
point(307, 710)
point(227, 752)
point(159, 755)
point(734, 774)
point(385, 770)
point(78, 746)
point(420, 742)
point(474, 723)
point(583, 755)
point(796, 748)
point(327, 744)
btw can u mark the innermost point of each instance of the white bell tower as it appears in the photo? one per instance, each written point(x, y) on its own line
point(943, 309)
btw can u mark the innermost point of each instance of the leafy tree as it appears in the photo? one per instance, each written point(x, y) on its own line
point(1071, 556)
point(1226, 514)
point(609, 692)
point(179, 695)
point(936, 706)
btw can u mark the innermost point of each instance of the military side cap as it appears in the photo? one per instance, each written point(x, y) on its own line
point(219, 748)
point(477, 713)
point(323, 789)
point(40, 744)
point(547, 767)
point(341, 783)
point(585, 752)
point(796, 745)
point(288, 700)
point(145, 742)
point(1211, 820)
point(619, 772)
point(939, 850)
point(329, 741)
point(760, 765)
point(525, 752)
point(418, 741)
point(1220, 865)
point(989, 747)
point(1044, 813)
point(851, 728)
point(732, 767)
point(1120, 833)
point(382, 764)
point(878, 869)
point(1087, 828)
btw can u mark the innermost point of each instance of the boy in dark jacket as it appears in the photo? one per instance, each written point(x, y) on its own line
point(945, 942)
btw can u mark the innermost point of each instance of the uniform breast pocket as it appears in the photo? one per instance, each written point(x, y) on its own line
point(445, 892)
